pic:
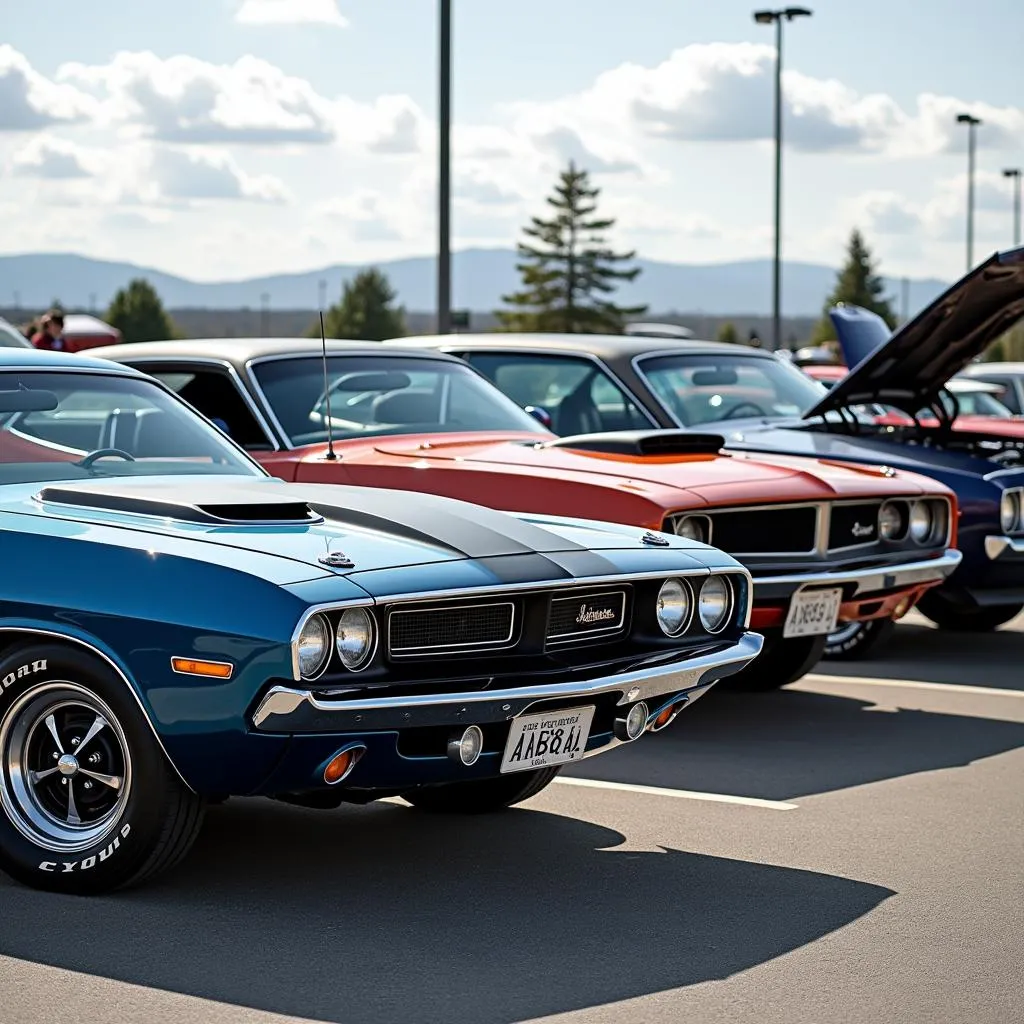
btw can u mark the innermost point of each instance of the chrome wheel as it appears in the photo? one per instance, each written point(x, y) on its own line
point(66, 767)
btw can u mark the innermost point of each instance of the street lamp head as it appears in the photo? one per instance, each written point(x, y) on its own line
point(967, 119)
point(1011, 172)
point(796, 12)
point(765, 17)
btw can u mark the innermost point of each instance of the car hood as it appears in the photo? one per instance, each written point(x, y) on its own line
point(281, 531)
point(705, 479)
point(909, 368)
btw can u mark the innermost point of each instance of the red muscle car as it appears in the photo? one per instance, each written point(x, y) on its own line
point(830, 546)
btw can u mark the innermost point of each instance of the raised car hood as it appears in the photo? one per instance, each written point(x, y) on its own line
point(910, 367)
point(280, 531)
point(711, 479)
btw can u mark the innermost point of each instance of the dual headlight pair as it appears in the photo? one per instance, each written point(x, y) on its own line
point(1011, 510)
point(922, 520)
point(676, 605)
point(353, 640)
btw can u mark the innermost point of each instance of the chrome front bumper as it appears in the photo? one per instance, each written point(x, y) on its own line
point(1004, 547)
point(870, 581)
point(288, 710)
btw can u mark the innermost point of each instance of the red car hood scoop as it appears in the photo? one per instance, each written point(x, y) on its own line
point(643, 442)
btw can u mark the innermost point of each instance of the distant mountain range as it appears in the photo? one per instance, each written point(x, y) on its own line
point(480, 278)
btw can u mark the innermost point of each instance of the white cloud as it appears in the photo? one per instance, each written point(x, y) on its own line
point(29, 100)
point(211, 175)
point(53, 158)
point(290, 12)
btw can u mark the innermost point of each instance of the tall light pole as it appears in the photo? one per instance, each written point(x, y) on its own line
point(972, 124)
point(1013, 173)
point(444, 177)
point(776, 18)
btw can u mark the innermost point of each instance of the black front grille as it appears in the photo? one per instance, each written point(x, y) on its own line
point(451, 628)
point(767, 531)
point(853, 524)
point(586, 615)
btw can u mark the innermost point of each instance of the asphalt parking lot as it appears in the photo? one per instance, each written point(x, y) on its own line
point(849, 849)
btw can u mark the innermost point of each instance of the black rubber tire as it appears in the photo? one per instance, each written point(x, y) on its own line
point(161, 816)
point(779, 663)
point(481, 796)
point(870, 635)
point(947, 615)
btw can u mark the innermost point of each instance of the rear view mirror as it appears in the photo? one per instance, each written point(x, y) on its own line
point(714, 378)
point(388, 380)
point(27, 400)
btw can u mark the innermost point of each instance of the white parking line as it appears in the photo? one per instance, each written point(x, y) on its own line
point(909, 684)
point(678, 794)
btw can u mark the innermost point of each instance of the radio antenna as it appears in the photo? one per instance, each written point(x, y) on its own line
point(330, 456)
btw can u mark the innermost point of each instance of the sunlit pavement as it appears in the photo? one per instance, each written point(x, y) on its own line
point(849, 849)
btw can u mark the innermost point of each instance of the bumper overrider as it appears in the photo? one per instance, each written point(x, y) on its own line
point(384, 730)
point(867, 592)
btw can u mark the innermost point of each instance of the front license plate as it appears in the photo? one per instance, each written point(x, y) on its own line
point(551, 737)
point(813, 612)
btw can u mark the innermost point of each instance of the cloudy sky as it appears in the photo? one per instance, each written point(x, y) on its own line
point(225, 138)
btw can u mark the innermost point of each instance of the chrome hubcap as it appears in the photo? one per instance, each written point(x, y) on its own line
point(66, 769)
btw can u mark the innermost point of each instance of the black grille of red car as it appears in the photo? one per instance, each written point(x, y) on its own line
point(853, 525)
point(581, 616)
point(766, 530)
point(443, 628)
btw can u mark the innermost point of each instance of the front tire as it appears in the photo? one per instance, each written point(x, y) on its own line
point(780, 662)
point(88, 800)
point(957, 619)
point(855, 640)
point(481, 796)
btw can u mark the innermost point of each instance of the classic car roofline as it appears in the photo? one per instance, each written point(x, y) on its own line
point(26, 359)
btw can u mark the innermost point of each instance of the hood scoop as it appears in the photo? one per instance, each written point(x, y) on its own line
point(232, 507)
point(643, 443)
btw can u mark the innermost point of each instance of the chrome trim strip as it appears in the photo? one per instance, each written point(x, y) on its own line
point(232, 373)
point(36, 631)
point(996, 547)
point(887, 577)
point(653, 681)
point(488, 645)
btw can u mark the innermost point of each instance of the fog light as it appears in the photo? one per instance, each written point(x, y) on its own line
point(468, 747)
point(634, 722)
point(341, 765)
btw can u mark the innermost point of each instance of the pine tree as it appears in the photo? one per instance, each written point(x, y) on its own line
point(139, 315)
point(857, 284)
point(365, 312)
point(728, 334)
point(567, 269)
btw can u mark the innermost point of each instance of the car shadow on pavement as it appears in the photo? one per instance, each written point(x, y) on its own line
point(384, 913)
point(939, 656)
point(793, 743)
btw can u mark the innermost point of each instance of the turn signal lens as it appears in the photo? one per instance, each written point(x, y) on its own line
point(342, 764)
point(192, 667)
point(663, 719)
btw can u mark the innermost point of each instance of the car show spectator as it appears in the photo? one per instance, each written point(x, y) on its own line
point(51, 332)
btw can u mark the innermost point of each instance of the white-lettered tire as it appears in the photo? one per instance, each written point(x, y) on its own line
point(855, 640)
point(88, 800)
point(481, 796)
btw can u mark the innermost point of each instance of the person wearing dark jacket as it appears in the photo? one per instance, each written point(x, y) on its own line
point(51, 332)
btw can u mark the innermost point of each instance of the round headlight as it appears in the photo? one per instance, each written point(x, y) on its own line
point(922, 522)
point(313, 646)
point(692, 528)
point(714, 604)
point(354, 638)
point(890, 521)
point(673, 607)
point(1009, 511)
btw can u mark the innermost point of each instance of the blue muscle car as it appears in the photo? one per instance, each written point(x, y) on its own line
point(176, 626)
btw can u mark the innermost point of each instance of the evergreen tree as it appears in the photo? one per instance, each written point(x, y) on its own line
point(567, 269)
point(728, 334)
point(1009, 347)
point(857, 284)
point(139, 315)
point(365, 312)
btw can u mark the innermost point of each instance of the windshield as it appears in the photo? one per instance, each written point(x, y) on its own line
point(711, 388)
point(75, 425)
point(375, 395)
point(975, 403)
